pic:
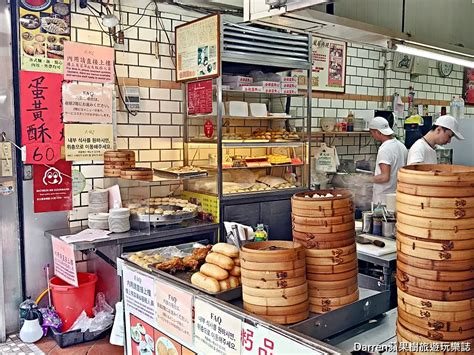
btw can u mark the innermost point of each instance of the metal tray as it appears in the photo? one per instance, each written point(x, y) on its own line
point(184, 277)
point(177, 175)
point(159, 219)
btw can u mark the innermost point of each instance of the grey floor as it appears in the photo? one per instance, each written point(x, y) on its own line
point(14, 346)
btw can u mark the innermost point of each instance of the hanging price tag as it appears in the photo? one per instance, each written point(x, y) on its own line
point(43, 153)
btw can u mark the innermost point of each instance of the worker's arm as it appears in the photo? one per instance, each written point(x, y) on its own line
point(384, 175)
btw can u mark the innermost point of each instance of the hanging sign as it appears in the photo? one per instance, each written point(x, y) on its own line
point(52, 187)
point(328, 66)
point(199, 97)
point(88, 141)
point(215, 331)
point(175, 311)
point(41, 116)
point(44, 26)
point(198, 49)
point(209, 129)
point(64, 261)
point(87, 104)
point(86, 62)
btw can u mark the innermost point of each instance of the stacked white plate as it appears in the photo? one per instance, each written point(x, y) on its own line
point(98, 201)
point(119, 220)
point(98, 221)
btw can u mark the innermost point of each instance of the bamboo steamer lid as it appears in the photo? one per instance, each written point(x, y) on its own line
point(331, 269)
point(322, 309)
point(436, 275)
point(323, 213)
point(334, 260)
point(435, 202)
point(328, 285)
point(435, 234)
point(445, 265)
point(437, 334)
point(435, 324)
point(449, 213)
point(275, 301)
point(338, 292)
point(277, 311)
point(437, 175)
point(111, 172)
point(430, 254)
point(332, 277)
point(434, 191)
point(260, 252)
point(274, 284)
point(324, 222)
point(446, 316)
point(137, 174)
point(464, 305)
point(288, 319)
point(323, 237)
point(441, 245)
point(334, 301)
point(344, 200)
point(315, 244)
point(276, 266)
point(323, 253)
point(275, 292)
point(334, 228)
point(120, 153)
point(435, 223)
point(273, 275)
point(434, 285)
point(434, 294)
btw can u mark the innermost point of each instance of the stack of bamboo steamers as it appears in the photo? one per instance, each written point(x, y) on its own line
point(323, 221)
point(435, 255)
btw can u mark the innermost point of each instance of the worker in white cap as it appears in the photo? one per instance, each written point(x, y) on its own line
point(423, 150)
point(392, 155)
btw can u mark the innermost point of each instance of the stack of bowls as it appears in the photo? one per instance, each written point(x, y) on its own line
point(98, 201)
point(119, 220)
point(98, 221)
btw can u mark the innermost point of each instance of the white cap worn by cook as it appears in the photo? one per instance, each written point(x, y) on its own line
point(451, 123)
point(381, 125)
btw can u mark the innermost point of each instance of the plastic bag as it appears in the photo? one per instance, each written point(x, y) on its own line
point(82, 322)
point(103, 316)
point(101, 305)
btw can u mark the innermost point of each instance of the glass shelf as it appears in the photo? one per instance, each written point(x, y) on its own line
point(246, 117)
point(250, 144)
point(262, 94)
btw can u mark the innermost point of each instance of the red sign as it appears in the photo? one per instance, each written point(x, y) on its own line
point(208, 128)
point(41, 115)
point(52, 187)
point(43, 153)
point(200, 97)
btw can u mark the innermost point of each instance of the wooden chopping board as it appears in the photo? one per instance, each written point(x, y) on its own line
point(390, 246)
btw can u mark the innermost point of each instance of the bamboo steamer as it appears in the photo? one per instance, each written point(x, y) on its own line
point(116, 160)
point(322, 309)
point(257, 251)
point(322, 253)
point(445, 265)
point(274, 284)
point(437, 175)
point(275, 292)
point(423, 253)
point(434, 294)
point(435, 223)
point(333, 260)
point(314, 244)
point(275, 301)
point(459, 316)
point(288, 319)
point(436, 334)
point(273, 275)
point(464, 305)
point(434, 285)
point(145, 174)
point(280, 265)
point(440, 245)
point(435, 191)
point(326, 221)
point(333, 228)
point(448, 213)
point(323, 213)
point(435, 202)
point(323, 237)
point(343, 200)
point(436, 275)
point(332, 277)
point(338, 292)
point(334, 301)
point(434, 234)
point(277, 311)
point(436, 324)
point(331, 269)
point(328, 285)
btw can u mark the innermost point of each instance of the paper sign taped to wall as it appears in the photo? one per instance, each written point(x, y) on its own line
point(64, 261)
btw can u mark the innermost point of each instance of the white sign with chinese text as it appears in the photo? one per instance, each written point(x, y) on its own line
point(139, 295)
point(215, 331)
point(64, 261)
point(260, 340)
point(175, 311)
point(87, 103)
point(87, 141)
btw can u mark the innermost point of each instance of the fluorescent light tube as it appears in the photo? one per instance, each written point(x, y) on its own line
point(433, 55)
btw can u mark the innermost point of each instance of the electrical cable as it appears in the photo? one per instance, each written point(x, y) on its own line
point(160, 21)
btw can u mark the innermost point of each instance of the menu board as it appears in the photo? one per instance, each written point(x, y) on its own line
point(87, 141)
point(45, 26)
point(87, 103)
point(328, 66)
point(199, 95)
point(198, 49)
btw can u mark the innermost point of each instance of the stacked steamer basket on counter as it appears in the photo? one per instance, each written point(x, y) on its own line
point(435, 255)
point(323, 221)
point(273, 278)
point(117, 160)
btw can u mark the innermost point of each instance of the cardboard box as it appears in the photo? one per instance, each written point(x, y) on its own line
point(268, 84)
point(291, 91)
point(236, 81)
point(289, 79)
point(288, 85)
point(251, 88)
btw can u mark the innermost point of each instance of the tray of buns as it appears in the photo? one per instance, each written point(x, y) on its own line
point(212, 269)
